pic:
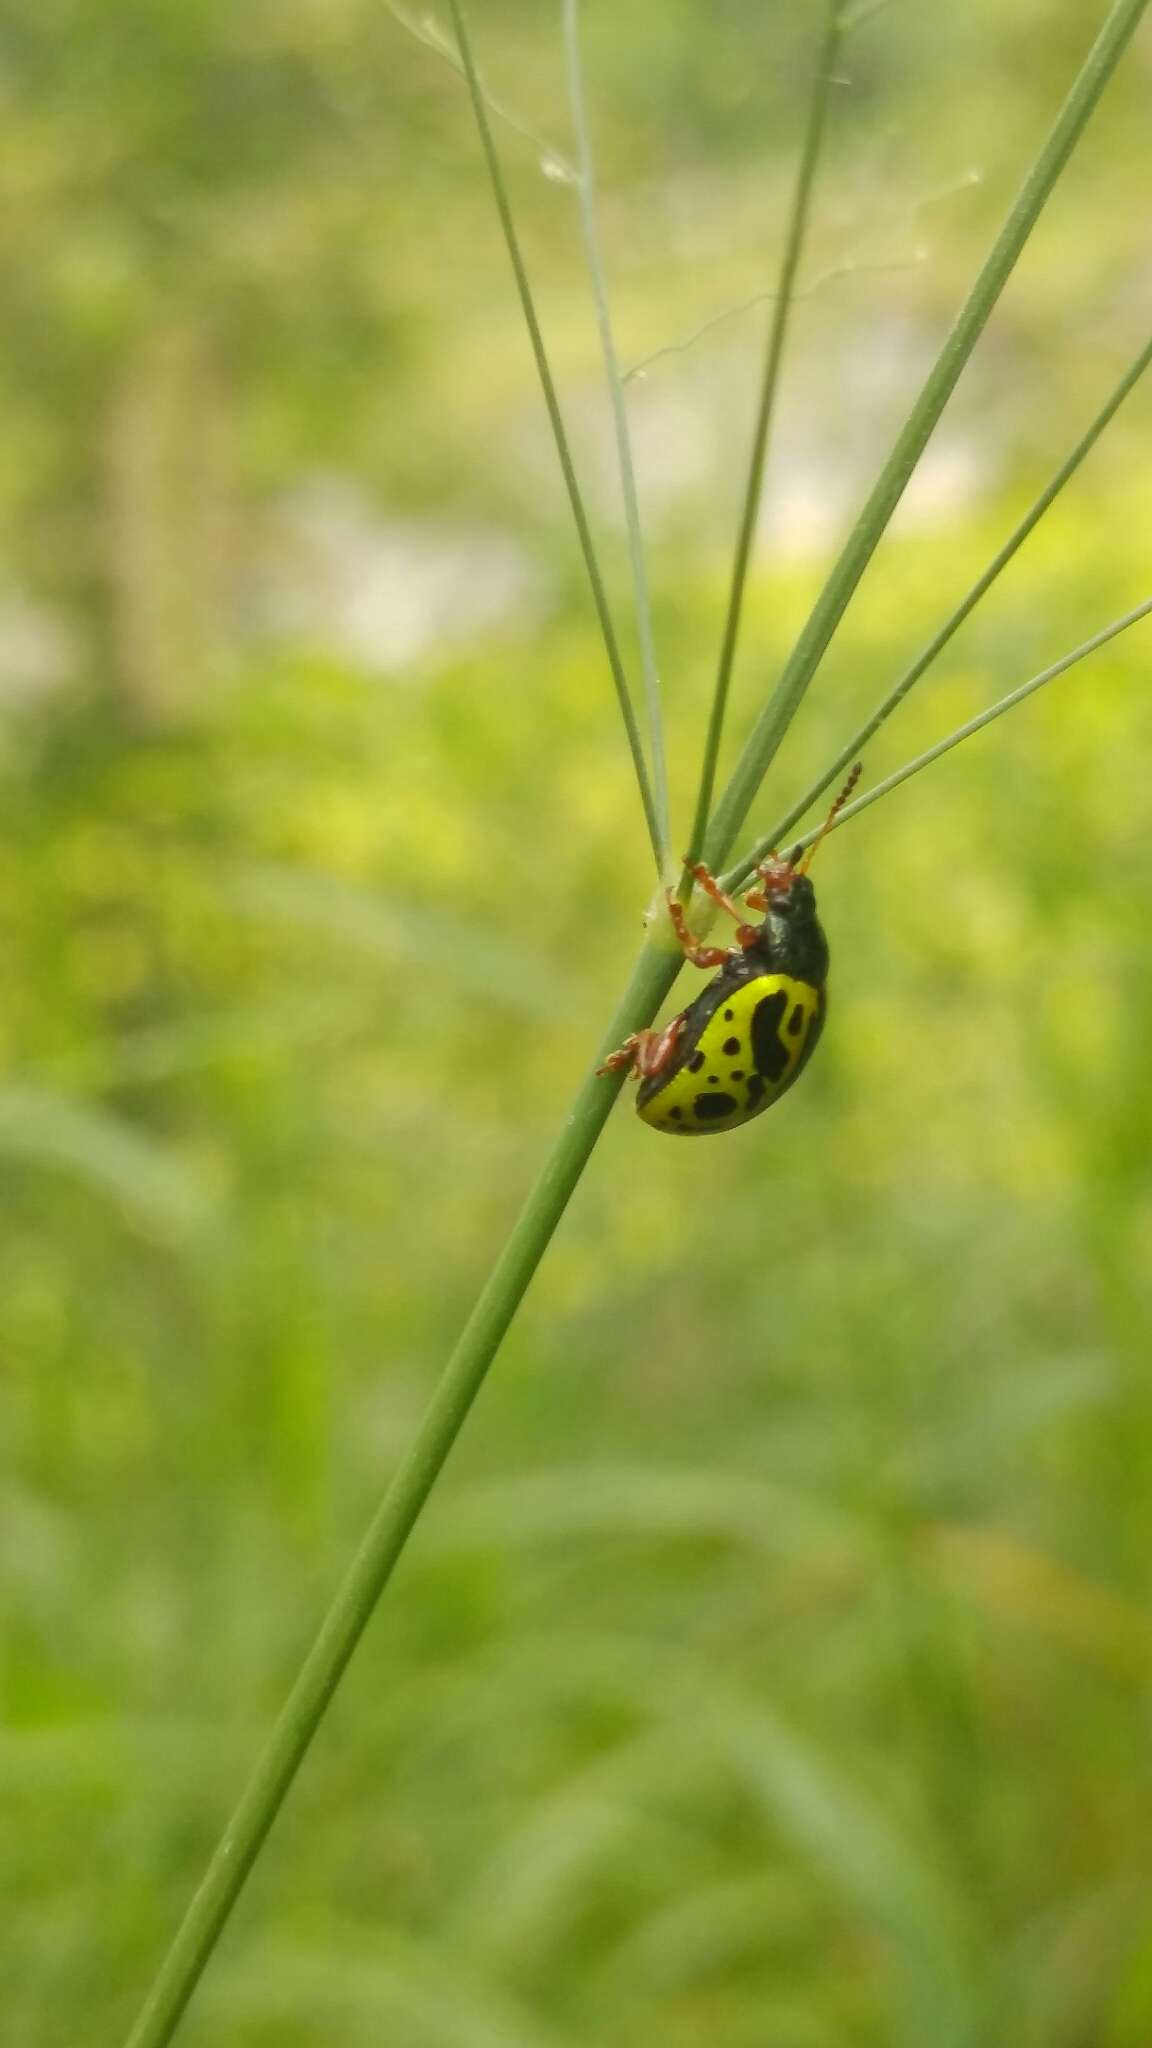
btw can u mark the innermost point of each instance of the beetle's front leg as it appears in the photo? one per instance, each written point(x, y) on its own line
point(746, 934)
point(698, 954)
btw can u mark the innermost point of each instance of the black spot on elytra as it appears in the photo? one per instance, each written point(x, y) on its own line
point(677, 1115)
point(728, 1016)
point(737, 1074)
point(731, 1046)
point(713, 1080)
point(768, 1050)
point(695, 1063)
point(755, 1090)
point(709, 1108)
point(796, 1021)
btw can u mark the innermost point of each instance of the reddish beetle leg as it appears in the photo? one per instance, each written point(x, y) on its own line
point(746, 934)
point(699, 955)
point(648, 1051)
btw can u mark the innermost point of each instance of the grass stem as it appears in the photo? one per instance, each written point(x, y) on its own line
point(654, 973)
point(586, 186)
point(782, 706)
point(559, 433)
point(972, 725)
point(373, 1565)
point(818, 100)
point(853, 748)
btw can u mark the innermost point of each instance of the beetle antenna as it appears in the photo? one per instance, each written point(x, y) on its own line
point(830, 820)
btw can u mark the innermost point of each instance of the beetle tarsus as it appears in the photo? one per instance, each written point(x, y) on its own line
point(692, 948)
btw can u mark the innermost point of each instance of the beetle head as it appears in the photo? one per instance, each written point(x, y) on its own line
point(782, 888)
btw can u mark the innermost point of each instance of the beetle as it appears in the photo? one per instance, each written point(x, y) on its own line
point(749, 1035)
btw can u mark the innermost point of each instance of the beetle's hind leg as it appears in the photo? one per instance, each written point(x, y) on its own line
point(648, 1051)
point(625, 1057)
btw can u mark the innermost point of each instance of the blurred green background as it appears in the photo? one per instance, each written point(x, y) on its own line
point(772, 1668)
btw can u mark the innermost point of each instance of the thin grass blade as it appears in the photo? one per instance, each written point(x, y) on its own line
point(854, 747)
point(819, 96)
point(983, 718)
point(399, 1510)
point(559, 433)
point(426, 31)
point(886, 494)
point(589, 221)
point(512, 1273)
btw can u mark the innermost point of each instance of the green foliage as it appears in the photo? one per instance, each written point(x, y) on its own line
point(773, 1666)
point(747, 1663)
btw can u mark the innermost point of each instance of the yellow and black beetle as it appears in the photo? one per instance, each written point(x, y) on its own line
point(749, 1035)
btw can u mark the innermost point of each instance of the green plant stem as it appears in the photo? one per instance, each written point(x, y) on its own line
point(559, 434)
point(818, 99)
point(656, 969)
point(972, 725)
point(864, 538)
point(586, 185)
point(853, 748)
point(433, 37)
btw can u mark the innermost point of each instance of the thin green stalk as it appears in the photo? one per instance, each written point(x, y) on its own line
point(972, 725)
point(818, 101)
point(559, 434)
point(655, 971)
point(862, 542)
point(586, 187)
point(433, 37)
point(853, 748)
